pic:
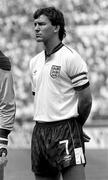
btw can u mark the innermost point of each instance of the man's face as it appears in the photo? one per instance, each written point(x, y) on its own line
point(43, 29)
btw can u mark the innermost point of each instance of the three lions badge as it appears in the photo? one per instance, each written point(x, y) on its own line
point(55, 71)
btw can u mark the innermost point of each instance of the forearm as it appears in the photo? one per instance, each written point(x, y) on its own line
point(3, 147)
point(3, 141)
point(7, 106)
point(84, 108)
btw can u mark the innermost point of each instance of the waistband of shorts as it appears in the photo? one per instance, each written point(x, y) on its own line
point(55, 123)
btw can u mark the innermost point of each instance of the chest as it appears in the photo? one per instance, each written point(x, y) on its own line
point(50, 69)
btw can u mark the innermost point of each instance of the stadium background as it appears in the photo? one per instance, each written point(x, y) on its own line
point(87, 32)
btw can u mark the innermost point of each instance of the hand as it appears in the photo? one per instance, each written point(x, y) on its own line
point(3, 160)
point(3, 156)
point(86, 137)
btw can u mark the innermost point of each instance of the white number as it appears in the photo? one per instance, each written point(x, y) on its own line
point(66, 145)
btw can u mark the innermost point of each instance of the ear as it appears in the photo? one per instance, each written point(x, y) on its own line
point(57, 28)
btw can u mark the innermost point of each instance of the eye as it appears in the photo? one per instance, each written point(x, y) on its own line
point(35, 24)
point(42, 24)
point(39, 24)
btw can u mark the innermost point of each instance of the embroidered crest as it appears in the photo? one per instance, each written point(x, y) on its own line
point(55, 71)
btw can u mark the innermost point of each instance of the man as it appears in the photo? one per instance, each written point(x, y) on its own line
point(7, 109)
point(62, 102)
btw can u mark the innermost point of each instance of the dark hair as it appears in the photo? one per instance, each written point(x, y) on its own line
point(55, 16)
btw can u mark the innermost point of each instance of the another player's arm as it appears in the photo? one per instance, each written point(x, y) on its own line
point(84, 104)
point(7, 106)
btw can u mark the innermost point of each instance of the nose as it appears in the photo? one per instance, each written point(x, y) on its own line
point(37, 27)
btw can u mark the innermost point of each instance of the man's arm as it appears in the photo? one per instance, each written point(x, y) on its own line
point(84, 104)
point(7, 104)
point(7, 109)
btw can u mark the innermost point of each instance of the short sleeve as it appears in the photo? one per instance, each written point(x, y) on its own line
point(77, 71)
point(33, 85)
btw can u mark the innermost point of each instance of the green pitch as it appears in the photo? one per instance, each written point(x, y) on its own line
point(19, 165)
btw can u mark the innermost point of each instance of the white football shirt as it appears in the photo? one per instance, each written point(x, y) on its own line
point(55, 81)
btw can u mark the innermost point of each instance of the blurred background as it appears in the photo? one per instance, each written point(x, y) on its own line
point(87, 32)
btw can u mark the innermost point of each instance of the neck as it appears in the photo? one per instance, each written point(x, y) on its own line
point(50, 45)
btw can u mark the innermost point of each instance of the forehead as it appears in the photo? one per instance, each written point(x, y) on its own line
point(42, 18)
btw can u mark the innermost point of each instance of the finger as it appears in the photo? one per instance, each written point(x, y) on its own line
point(3, 154)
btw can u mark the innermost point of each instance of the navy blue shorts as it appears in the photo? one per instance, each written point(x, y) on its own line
point(56, 145)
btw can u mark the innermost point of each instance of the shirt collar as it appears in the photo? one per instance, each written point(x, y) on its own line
point(59, 46)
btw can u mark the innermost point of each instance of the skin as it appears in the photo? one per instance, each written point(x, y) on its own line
point(84, 104)
point(1, 172)
point(46, 33)
point(3, 162)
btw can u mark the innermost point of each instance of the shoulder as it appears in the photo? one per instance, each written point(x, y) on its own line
point(74, 63)
point(73, 56)
point(4, 62)
point(70, 52)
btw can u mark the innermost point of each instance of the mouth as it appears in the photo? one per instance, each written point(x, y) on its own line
point(38, 35)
